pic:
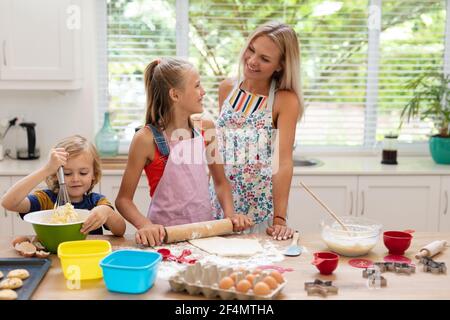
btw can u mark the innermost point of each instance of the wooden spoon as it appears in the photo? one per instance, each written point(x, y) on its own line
point(326, 208)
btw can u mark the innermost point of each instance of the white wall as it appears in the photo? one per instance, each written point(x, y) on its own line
point(63, 113)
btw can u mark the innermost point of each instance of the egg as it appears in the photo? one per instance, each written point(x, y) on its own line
point(250, 278)
point(257, 271)
point(273, 284)
point(277, 276)
point(243, 286)
point(226, 283)
point(261, 289)
point(234, 276)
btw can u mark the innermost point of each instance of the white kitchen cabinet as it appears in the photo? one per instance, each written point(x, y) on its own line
point(337, 192)
point(400, 202)
point(40, 44)
point(6, 228)
point(444, 211)
point(21, 227)
point(110, 186)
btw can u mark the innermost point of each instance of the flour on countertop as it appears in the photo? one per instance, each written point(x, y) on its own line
point(271, 253)
point(195, 235)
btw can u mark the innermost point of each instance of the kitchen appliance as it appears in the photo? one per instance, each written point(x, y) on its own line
point(26, 142)
point(389, 155)
point(7, 125)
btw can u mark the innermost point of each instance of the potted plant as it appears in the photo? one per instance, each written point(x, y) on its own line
point(431, 101)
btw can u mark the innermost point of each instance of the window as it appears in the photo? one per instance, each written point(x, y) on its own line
point(411, 42)
point(353, 73)
point(137, 32)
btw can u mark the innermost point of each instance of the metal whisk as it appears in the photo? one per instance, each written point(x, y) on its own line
point(63, 195)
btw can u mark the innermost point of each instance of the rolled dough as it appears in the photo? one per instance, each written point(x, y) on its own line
point(227, 247)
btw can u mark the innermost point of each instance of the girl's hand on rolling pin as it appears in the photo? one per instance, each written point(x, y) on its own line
point(240, 222)
point(280, 232)
point(150, 235)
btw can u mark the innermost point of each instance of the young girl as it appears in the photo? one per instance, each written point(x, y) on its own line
point(82, 172)
point(172, 154)
point(267, 101)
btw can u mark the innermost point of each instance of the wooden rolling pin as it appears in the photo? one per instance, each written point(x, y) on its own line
point(198, 230)
point(431, 249)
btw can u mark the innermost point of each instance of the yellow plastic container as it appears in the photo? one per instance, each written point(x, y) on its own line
point(80, 260)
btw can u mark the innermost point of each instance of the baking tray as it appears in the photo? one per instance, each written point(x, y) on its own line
point(35, 266)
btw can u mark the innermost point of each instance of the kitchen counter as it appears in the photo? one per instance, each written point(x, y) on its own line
point(349, 280)
point(350, 165)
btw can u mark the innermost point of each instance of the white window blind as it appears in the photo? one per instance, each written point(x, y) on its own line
point(137, 33)
point(411, 43)
point(352, 77)
point(333, 40)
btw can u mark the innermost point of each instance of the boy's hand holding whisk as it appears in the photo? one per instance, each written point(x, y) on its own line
point(57, 158)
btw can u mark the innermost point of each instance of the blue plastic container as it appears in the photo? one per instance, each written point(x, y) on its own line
point(130, 271)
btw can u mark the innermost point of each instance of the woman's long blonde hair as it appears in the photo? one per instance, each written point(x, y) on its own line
point(285, 38)
point(160, 76)
point(75, 145)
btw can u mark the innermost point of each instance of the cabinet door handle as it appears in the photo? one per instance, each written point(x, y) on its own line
point(351, 203)
point(446, 202)
point(362, 200)
point(4, 53)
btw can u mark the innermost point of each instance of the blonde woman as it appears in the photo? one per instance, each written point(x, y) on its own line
point(257, 123)
point(81, 172)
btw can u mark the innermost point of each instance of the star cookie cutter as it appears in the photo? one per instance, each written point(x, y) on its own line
point(319, 287)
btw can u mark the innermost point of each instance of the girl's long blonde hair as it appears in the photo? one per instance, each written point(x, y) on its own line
point(285, 38)
point(160, 76)
point(75, 145)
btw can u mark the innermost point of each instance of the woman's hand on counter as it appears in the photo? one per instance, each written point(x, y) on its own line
point(280, 232)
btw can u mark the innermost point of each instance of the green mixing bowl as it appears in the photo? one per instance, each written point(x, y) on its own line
point(51, 235)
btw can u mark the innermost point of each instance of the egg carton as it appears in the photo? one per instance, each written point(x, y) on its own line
point(204, 279)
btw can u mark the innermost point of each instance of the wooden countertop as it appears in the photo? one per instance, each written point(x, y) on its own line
point(349, 280)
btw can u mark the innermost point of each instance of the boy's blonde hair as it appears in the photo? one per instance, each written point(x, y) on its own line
point(160, 76)
point(75, 145)
point(285, 38)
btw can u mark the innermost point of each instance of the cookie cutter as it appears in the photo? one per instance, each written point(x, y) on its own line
point(376, 281)
point(374, 277)
point(320, 287)
point(397, 267)
point(429, 265)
